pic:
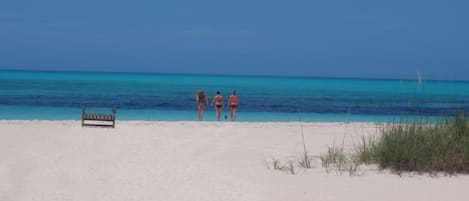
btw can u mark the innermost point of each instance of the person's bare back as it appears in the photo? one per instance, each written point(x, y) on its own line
point(218, 102)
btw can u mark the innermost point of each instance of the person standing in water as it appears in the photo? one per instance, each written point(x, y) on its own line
point(233, 103)
point(218, 101)
point(202, 102)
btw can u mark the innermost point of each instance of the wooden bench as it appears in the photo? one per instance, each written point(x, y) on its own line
point(98, 117)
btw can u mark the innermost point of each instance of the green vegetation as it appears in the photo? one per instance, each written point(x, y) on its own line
point(304, 161)
point(336, 159)
point(420, 147)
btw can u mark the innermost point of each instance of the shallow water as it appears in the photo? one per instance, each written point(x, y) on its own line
point(138, 96)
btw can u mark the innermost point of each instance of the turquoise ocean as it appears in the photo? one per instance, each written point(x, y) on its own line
point(47, 95)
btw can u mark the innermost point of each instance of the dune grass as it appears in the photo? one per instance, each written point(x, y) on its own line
point(304, 161)
point(420, 147)
point(283, 166)
point(336, 159)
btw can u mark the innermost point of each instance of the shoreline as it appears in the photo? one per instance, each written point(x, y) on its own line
point(214, 123)
point(70, 114)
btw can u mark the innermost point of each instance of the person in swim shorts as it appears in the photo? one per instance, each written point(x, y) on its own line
point(233, 103)
point(202, 102)
point(218, 102)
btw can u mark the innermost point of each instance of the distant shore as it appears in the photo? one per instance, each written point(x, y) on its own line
point(188, 160)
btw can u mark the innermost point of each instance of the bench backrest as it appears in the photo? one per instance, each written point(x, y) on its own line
point(98, 114)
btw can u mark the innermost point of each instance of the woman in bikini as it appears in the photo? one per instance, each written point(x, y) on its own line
point(202, 102)
point(218, 101)
point(233, 102)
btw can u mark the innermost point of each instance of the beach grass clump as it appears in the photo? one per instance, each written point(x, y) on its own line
point(293, 164)
point(364, 152)
point(420, 147)
point(283, 166)
point(336, 159)
point(306, 161)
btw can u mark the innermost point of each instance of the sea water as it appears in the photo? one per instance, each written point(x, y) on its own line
point(171, 97)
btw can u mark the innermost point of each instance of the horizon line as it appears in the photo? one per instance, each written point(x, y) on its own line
point(241, 75)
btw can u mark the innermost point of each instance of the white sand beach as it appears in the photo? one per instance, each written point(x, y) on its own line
point(179, 161)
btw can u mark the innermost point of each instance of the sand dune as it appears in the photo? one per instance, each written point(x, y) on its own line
point(61, 161)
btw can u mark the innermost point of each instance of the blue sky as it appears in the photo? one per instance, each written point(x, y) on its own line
point(374, 39)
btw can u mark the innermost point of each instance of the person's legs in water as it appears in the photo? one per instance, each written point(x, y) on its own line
point(233, 112)
point(218, 110)
point(201, 112)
